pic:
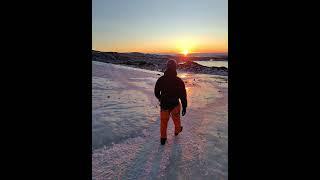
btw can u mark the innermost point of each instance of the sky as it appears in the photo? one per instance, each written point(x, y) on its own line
point(160, 26)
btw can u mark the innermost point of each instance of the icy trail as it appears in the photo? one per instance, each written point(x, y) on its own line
point(126, 142)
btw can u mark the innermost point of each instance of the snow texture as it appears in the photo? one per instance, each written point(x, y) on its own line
point(126, 125)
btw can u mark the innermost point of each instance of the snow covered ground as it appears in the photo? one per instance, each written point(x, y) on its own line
point(126, 125)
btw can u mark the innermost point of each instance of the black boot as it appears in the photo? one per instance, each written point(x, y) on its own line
point(178, 132)
point(163, 141)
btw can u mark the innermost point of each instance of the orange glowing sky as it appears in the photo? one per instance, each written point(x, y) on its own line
point(160, 26)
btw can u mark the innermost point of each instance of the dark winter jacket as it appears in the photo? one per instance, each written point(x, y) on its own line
point(169, 89)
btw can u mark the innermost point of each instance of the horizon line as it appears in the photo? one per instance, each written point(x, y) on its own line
point(162, 52)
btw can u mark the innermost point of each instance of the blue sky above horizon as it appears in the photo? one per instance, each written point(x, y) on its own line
point(154, 26)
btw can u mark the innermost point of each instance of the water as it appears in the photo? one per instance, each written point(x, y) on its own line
point(198, 54)
point(213, 63)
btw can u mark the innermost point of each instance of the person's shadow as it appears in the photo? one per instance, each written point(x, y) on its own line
point(173, 147)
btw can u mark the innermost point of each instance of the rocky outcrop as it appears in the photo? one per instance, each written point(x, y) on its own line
point(155, 62)
point(197, 68)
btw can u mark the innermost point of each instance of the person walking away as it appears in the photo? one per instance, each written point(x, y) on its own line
point(169, 89)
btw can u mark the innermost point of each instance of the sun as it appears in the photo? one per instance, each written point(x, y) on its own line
point(185, 52)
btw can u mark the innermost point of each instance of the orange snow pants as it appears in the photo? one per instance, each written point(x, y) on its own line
point(164, 117)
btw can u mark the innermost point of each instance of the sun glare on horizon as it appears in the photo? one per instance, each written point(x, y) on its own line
point(185, 52)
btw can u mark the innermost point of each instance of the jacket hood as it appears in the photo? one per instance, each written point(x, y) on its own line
point(170, 72)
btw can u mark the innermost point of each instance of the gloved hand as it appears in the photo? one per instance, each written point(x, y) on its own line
point(184, 110)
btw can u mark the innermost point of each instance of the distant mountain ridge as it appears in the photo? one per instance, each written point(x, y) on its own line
point(198, 54)
point(177, 57)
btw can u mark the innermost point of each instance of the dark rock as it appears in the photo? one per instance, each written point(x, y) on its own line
point(197, 68)
point(156, 62)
